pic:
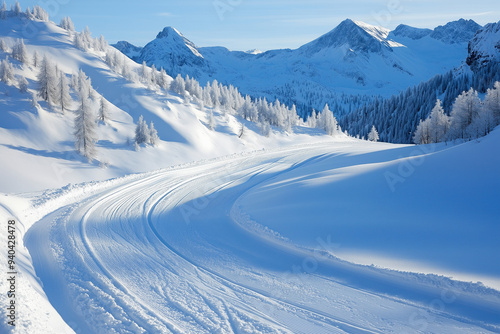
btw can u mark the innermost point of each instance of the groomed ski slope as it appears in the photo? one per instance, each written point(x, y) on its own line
point(248, 243)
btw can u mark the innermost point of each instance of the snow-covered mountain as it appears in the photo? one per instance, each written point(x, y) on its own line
point(485, 46)
point(174, 52)
point(354, 58)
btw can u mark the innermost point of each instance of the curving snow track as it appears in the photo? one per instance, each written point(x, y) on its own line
point(171, 252)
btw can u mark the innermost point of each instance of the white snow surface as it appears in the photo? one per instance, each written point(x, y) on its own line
point(295, 233)
point(254, 243)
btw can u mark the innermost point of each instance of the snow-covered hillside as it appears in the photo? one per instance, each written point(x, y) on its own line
point(42, 136)
point(354, 58)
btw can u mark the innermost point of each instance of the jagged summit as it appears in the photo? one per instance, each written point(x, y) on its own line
point(172, 50)
point(461, 31)
point(169, 31)
point(357, 36)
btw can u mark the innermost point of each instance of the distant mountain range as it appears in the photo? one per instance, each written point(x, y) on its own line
point(354, 59)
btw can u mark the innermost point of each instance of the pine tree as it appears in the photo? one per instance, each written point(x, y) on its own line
point(265, 128)
point(153, 135)
point(467, 107)
point(63, 97)
point(85, 129)
point(17, 9)
point(20, 53)
point(67, 23)
point(103, 115)
point(36, 59)
point(373, 135)
point(439, 123)
point(178, 85)
point(84, 84)
point(3, 46)
point(492, 102)
point(328, 121)
point(142, 132)
point(422, 133)
point(6, 72)
point(23, 84)
point(46, 81)
point(312, 119)
point(144, 73)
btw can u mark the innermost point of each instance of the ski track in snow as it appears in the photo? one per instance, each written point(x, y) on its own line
point(127, 259)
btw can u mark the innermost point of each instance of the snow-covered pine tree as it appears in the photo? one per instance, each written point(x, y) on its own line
point(153, 135)
point(3, 46)
point(439, 123)
point(36, 59)
point(422, 133)
point(482, 124)
point(63, 98)
point(373, 135)
point(103, 114)
point(40, 14)
point(29, 13)
point(17, 9)
point(84, 84)
point(19, 52)
point(6, 72)
point(163, 79)
point(178, 85)
point(492, 102)
point(142, 132)
point(312, 119)
point(67, 23)
point(248, 110)
point(265, 128)
point(23, 84)
point(154, 76)
point(46, 81)
point(144, 73)
point(215, 94)
point(85, 128)
point(328, 121)
point(467, 107)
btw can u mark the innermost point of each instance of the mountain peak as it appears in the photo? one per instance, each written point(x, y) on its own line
point(460, 31)
point(356, 35)
point(169, 31)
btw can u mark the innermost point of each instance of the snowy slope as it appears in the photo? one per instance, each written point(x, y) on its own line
point(226, 245)
point(42, 136)
point(354, 58)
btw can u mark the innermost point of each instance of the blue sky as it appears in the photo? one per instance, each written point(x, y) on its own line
point(255, 24)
